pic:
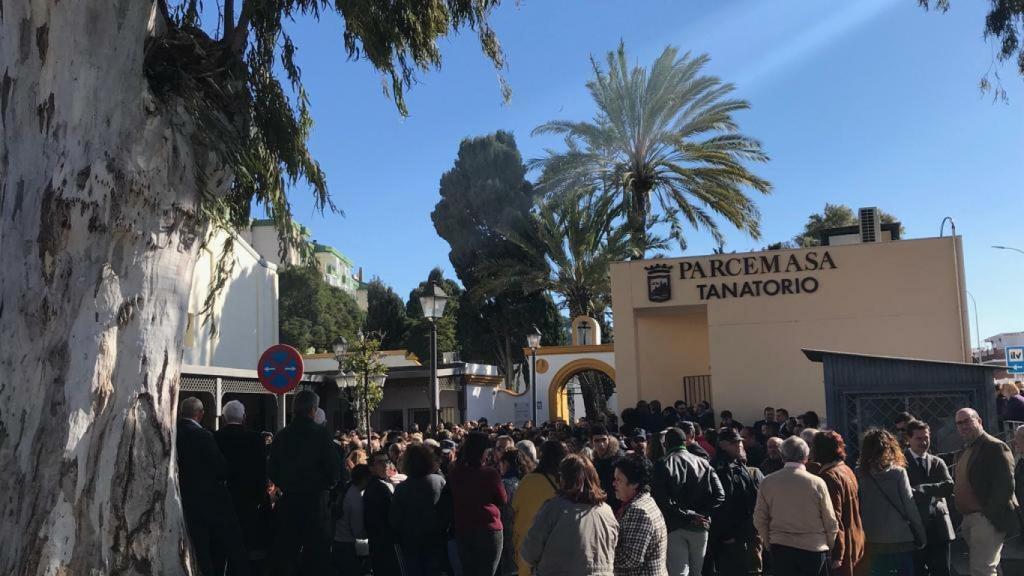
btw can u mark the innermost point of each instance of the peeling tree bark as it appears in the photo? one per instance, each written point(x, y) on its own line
point(99, 236)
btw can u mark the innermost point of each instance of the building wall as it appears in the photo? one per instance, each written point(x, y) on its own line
point(482, 401)
point(687, 328)
point(262, 236)
point(902, 298)
point(245, 312)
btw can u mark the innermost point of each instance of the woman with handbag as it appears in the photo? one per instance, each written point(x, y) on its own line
point(891, 521)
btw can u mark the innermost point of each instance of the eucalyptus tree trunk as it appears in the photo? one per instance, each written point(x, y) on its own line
point(99, 236)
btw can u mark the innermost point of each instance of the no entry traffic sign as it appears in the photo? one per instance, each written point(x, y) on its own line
point(280, 368)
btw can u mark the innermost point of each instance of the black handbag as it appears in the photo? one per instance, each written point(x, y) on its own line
point(919, 541)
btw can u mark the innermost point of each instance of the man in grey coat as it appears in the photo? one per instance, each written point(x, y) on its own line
point(931, 484)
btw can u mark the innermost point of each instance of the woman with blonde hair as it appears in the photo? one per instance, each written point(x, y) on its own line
point(1013, 410)
point(574, 533)
point(892, 524)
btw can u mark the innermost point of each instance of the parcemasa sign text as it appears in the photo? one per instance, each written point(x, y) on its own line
point(796, 264)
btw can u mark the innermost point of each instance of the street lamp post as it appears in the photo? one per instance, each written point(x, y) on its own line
point(1009, 248)
point(344, 379)
point(433, 303)
point(533, 341)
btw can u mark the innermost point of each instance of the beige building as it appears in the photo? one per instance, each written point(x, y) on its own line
point(730, 327)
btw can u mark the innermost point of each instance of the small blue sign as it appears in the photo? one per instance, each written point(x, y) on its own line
point(280, 368)
point(1015, 359)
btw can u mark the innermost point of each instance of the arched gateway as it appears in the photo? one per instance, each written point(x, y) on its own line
point(557, 366)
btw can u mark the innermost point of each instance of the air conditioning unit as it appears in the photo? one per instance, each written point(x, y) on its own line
point(870, 225)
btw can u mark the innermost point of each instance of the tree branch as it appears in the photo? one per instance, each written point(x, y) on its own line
point(229, 20)
point(192, 13)
point(240, 32)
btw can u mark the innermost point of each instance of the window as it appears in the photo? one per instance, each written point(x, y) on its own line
point(392, 420)
point(421, 417)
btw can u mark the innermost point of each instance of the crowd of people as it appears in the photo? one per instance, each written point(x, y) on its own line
point(654, 492)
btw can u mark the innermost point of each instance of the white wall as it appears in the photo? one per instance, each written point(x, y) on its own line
point(484, 402)
point(245, 312)
point(264, 240)
point(1001, 341)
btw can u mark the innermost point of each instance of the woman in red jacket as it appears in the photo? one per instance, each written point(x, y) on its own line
point(478, 496)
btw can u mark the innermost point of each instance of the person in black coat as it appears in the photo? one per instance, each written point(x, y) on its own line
point(205, 501)
point(246, 456)
point(305, 467)
point(606, 454)
point(931, 484)
point(377, 500)
point(733, 545)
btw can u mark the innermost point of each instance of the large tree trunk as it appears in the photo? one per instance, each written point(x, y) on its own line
point(99, 236)
point(594, 400)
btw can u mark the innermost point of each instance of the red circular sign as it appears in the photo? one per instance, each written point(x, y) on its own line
point(280, 368)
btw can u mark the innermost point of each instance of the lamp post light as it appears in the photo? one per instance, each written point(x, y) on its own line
point(1009, 248)
point(533, 341)
point(433, 303)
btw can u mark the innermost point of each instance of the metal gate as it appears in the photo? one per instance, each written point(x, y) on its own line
point(874, 410)
point(697, 389)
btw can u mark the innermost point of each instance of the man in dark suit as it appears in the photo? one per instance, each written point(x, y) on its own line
point(983, 491)
point(202, 473)
point(931, 484)
point(376, 511)
point(246, 455)
point(304, 465)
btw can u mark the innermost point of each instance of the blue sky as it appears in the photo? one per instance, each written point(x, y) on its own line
point(866, 103)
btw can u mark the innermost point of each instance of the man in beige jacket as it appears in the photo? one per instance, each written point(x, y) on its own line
point(794, 515)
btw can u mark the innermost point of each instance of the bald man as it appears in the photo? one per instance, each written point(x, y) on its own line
point(983, 489)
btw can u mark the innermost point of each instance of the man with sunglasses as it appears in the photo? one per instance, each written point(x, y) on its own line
point(983, 491)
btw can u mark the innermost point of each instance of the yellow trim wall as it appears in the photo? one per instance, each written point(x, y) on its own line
point(558, 405)
point(732, 317)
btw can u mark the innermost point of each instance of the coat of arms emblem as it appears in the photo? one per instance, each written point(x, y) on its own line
point(659, 282)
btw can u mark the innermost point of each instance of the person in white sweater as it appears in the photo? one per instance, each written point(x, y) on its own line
point(794, 515)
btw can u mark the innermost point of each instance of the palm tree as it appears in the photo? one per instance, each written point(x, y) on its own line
point(667, 134)
point(566, 249)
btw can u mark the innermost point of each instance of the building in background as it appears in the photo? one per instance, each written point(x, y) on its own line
point(222, 346)
point(735, 324)
point(338, 270)
point(995, 355)
point(467, 392)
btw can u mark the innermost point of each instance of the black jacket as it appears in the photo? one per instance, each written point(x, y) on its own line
point(606, 473)
point(377, 499)
point(931, 486)
point(734, 519)
point(684, 487)
point(202, 471)
point(414, 511)
point(303, 460)
point(246, 455)
point(698, 450)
